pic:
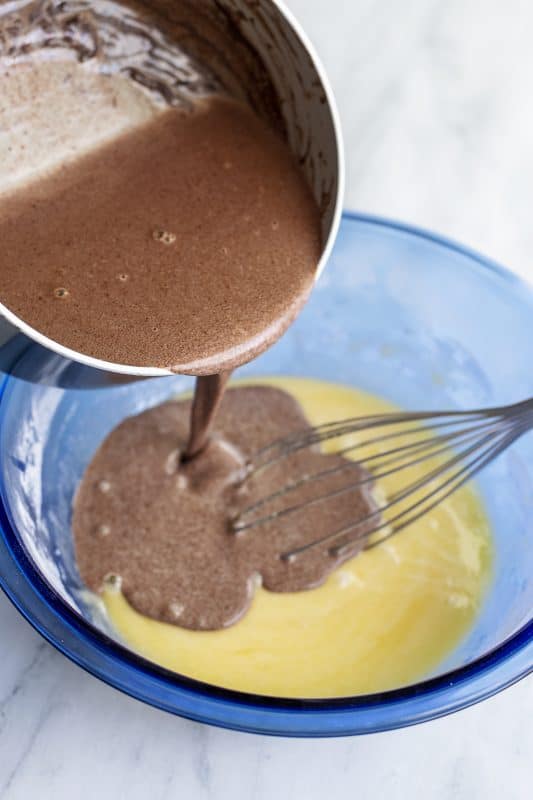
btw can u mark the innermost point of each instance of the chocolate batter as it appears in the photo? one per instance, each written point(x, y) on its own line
point(187, 241)
point(208, 395)
point(163, 525)
point(190, 243)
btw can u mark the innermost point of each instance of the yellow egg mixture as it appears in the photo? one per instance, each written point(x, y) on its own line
point(385, 619)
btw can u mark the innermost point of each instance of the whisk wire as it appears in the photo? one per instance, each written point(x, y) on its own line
point(330, 430)
point(467, 475)
point(476, 437)
point(431, 447)
point(464, 474)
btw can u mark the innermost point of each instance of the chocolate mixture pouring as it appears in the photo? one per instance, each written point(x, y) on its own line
point(163, 525)
point(188, 241)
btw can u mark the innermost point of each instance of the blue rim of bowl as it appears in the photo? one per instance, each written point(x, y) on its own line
point(119, 667)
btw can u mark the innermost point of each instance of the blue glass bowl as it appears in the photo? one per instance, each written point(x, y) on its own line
point(398, 312)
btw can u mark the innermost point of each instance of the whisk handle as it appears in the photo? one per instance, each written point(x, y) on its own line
point(523, 411)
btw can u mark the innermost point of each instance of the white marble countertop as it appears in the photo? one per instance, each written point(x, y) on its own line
point(435, 98)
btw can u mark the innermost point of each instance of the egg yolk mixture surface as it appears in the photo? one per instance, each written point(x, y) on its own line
point(385, 619)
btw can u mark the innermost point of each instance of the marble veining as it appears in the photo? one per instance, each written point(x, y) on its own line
point(437, 113)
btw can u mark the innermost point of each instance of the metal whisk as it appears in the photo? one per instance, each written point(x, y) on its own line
point(435, 453)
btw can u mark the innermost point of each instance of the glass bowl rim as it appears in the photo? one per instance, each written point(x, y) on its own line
point(79, 641)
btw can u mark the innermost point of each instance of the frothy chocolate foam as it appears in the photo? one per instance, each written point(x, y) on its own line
point(187, 240)
point(190, 243)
